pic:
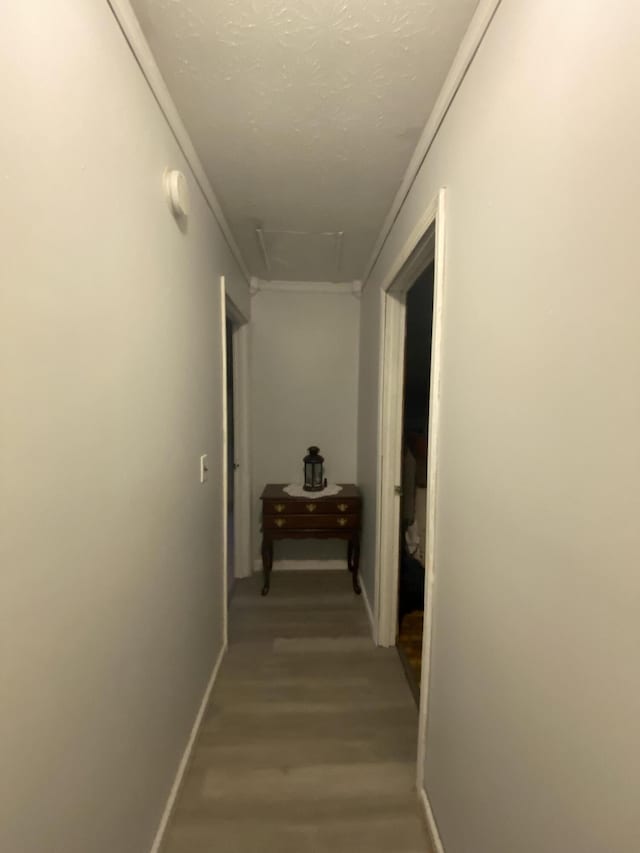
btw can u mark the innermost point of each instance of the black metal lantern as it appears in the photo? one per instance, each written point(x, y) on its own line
point(313, 470)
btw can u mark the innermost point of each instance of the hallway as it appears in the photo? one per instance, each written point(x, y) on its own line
point(309, 741)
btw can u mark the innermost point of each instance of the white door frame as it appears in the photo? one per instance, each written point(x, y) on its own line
point(241, 441)
point(390, 465)
point(433, 459)
point(426, 243)
point(242, 474)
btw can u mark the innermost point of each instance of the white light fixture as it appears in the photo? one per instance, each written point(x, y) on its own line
point(177, 190)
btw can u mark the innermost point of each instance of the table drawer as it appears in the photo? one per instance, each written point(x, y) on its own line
point(311, 507)
point(311, 522)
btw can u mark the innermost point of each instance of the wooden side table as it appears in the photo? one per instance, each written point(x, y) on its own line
point(336, 517)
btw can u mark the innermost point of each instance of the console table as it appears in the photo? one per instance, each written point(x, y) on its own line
point(335, 517)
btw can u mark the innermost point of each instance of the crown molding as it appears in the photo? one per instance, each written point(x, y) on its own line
point(132, 32)
point(469, 45)
point(348, 288)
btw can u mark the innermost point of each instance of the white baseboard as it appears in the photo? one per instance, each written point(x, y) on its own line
point(367, 605)
point(239, 573)
point(186, 755)
point(303, 565)
point(432, 829)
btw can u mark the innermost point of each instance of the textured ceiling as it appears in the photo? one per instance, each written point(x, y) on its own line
point(305, 114)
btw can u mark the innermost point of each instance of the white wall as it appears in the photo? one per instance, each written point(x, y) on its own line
point(304, 390)
point(111, 579)
point(533, 739)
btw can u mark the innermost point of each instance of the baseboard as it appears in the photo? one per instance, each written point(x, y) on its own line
point(430, 821)
point(303, 565)
point(367, 605)
point(186, 756)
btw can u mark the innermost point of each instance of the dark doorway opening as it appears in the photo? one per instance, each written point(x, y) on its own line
point(413, 515)
point(231, 466)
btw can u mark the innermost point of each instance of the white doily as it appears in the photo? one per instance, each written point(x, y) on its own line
point(297, 491)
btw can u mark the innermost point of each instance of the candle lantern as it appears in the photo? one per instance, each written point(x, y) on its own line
point(313, 470)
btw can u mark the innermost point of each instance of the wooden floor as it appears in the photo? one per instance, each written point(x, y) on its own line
point(309, 741)
point(410, 648)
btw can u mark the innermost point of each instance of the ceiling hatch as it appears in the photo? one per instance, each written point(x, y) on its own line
point(289, 255)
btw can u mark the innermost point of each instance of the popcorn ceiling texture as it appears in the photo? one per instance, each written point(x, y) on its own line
point(305, 114)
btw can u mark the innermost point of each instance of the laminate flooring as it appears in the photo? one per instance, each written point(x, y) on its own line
point(309, 740)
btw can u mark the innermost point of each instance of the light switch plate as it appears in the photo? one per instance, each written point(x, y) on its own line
point(204, 468)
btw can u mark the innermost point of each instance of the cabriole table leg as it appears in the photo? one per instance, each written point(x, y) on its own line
point(353, 561)
point(267, 562)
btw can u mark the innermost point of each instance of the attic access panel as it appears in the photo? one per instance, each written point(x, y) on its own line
point(301, 255)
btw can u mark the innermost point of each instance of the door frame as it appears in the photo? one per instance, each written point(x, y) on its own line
point(425, 244)
point(241, 440)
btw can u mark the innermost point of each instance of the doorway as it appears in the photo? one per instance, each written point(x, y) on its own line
point(424, 248)
point(232, 465)
point(414, 475)
point(236, 482)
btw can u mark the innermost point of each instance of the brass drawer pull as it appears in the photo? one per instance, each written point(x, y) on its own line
point(342, 521)
point(311, 507)
point(280, 522)
point(343, 507)
point(279, 507)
